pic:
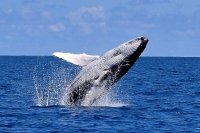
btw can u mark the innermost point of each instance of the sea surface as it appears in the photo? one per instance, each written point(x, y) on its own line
point(156, 95)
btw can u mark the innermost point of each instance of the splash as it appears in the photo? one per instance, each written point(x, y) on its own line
point(106, 99)
point(51, 80)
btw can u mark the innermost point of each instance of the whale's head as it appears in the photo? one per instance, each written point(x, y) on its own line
point(119, 60)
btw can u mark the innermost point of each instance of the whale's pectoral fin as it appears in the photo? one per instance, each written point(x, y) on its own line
point(77, 59)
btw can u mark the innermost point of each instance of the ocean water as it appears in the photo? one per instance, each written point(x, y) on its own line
point(156, 95)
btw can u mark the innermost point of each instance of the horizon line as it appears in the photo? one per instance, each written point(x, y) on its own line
point(156, 56)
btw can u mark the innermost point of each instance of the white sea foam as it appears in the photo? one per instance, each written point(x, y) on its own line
point(108, 101)
point(101, 96)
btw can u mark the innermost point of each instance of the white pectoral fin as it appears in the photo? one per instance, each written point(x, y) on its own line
point(77, 59)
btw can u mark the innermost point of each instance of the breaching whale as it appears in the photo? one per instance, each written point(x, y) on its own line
point(99, 73)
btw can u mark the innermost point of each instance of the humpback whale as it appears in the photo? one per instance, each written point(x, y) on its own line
point(99, 73)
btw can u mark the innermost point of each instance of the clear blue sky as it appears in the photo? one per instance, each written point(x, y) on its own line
point(41, 27)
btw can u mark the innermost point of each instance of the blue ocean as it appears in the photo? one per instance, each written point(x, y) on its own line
point(158, 94)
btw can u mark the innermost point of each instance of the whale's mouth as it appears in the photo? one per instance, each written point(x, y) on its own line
point(144, 41)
